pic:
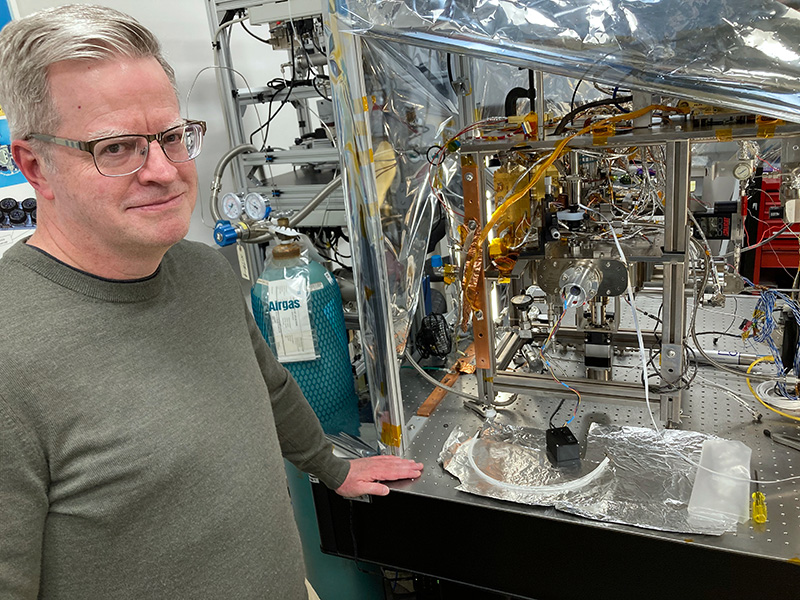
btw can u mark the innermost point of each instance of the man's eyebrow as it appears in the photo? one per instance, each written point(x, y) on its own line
point(105, 133)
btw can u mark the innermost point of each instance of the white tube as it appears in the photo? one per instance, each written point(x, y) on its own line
point(567, 486)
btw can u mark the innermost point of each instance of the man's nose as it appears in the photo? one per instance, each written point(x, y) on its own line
point(157, 167)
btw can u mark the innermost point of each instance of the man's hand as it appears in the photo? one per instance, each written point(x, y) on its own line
point(365, 473)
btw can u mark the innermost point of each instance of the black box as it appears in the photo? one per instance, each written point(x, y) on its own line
point(562, 446)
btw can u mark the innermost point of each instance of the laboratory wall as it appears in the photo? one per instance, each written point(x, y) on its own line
point(182, 26)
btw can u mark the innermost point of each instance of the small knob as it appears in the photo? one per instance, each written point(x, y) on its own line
point(7, 205)
point(29, 205)
point(17, 217)
point(225, 234)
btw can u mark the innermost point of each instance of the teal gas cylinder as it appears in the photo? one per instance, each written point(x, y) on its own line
point(298, 307)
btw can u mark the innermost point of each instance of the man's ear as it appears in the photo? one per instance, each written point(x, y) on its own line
point(32, 166)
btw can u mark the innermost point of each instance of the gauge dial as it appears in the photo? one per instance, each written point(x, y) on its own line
point(255, 206)
point(231, 206)
point(742, 171)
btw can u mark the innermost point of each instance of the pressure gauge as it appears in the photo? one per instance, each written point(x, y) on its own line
point(231, 206)
point(255, 206)
point(742, 171)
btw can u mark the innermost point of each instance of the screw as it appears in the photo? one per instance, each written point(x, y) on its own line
point(472, 225)
point(795, 147)
point(479, 315)
point(469, 176)
point(671, 353)
point(608, 264)
point(555, 264)
point(608, 292)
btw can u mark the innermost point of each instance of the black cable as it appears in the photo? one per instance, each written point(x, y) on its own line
point(513, 96)
point(558, 408)
point(567, 119)
point(229, 16)
point(574, 93)
point(271, 115)
point(316, 45)
point(688, 362)
point(253, 35)
point(450, 73)
point(658, 322)
point(735, 310)
point(719, 333)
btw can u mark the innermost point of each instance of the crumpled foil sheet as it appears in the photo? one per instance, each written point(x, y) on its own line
point(647, 484)
point(736, 53)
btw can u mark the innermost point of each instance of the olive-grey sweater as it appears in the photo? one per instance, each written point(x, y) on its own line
point(142, 428)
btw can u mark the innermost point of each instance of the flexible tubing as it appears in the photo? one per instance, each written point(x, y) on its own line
point(216, 182)
point(784, 404)
point(430, 379)
point(567, 486)
point(757, 397)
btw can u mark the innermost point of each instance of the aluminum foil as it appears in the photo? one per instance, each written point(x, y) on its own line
point(736, 53)
point(647, 483)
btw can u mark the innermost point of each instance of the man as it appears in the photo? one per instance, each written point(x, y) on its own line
point(142, 416)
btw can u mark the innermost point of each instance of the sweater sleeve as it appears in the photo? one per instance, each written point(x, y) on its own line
point(24, 506)
point(300, 434)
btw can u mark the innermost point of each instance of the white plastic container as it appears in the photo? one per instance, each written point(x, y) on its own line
point(721, 490)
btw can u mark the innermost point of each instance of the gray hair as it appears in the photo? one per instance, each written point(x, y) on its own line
point(29, 46)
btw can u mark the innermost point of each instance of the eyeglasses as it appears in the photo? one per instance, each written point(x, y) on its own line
point(122, 155)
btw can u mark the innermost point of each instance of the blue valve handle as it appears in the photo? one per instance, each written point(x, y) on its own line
point(225, 234)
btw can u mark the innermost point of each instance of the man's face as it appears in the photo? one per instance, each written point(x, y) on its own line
point(133, 214)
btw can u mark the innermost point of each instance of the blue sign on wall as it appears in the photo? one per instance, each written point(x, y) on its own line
point(5, 13)
point(9, 174)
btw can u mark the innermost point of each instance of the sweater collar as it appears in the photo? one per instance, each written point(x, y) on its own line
point(109, 290)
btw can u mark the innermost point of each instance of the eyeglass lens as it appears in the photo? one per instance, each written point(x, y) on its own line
point(127, 154)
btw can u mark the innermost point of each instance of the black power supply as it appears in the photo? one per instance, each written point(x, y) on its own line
point(562, 446)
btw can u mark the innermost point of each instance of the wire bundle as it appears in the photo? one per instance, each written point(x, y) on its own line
point(762, 329)
point(550, 337)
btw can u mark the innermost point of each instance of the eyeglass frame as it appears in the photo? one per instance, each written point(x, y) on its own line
point(91, 144)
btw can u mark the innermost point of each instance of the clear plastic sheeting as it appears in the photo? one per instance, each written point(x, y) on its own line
point(648, 482)
point(493, 81)
point(736, 53)
point(393, 103)
point(410, 105)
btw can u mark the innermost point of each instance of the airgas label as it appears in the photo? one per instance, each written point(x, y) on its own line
point(285, 305)
point(291, 323)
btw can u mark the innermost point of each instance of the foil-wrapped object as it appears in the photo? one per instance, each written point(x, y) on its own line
point(647, 481)
point(736, 53)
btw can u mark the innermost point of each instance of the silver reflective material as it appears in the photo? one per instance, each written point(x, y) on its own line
point(392, 105)
point(648, 483)
point(735, 53)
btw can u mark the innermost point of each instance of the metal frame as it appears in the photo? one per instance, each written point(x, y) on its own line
point(235, 101)
point(385, 361)
point(230, 107)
